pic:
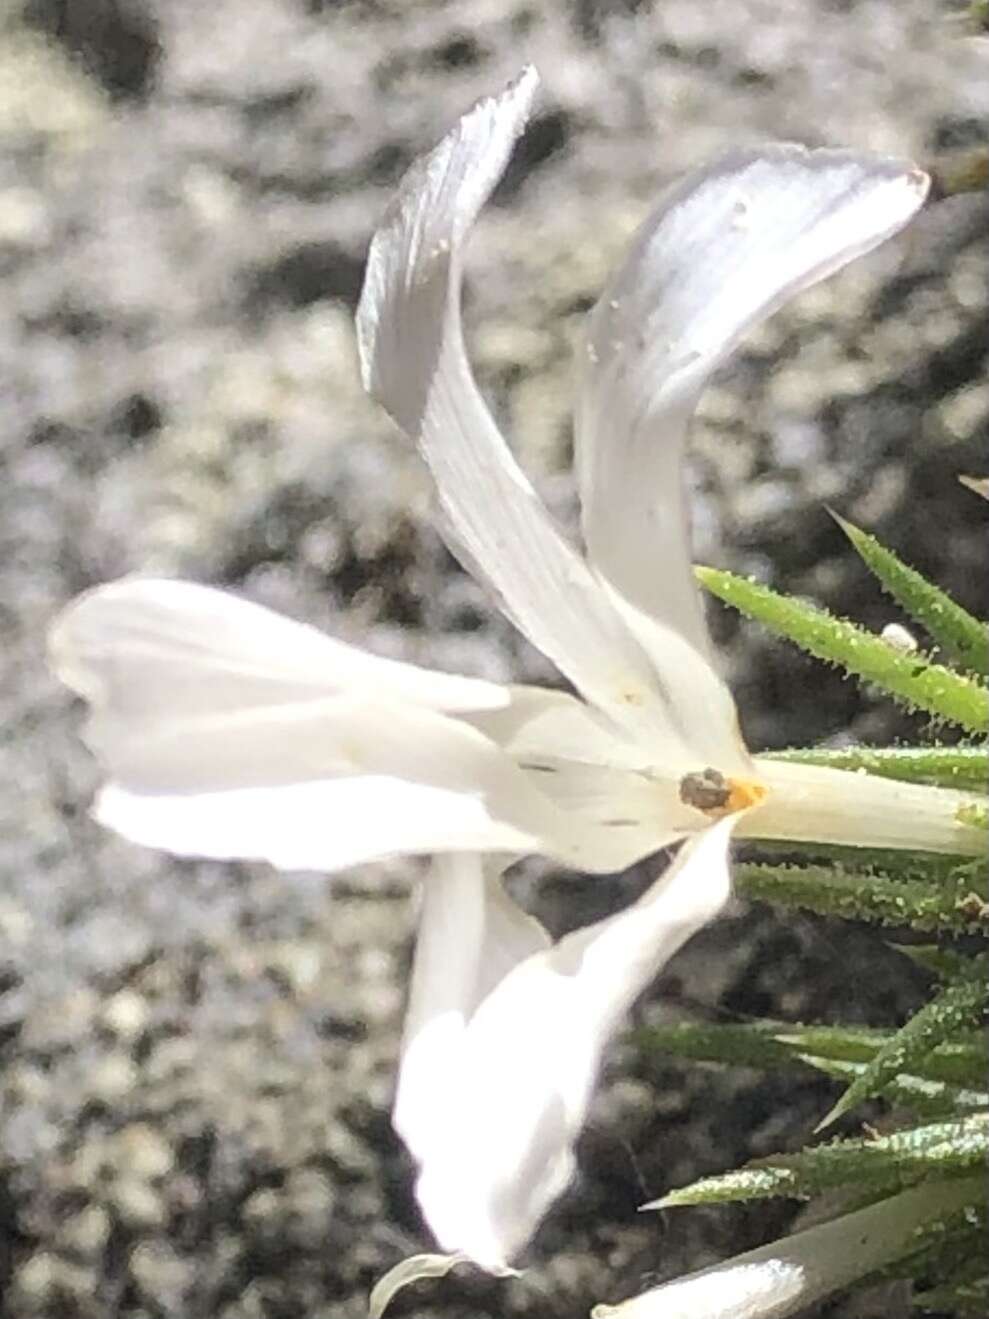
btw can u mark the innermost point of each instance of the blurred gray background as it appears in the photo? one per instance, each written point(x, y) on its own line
point(196, 1061)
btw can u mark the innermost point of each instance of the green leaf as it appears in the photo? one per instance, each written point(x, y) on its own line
point(884, 1163)
point(778, 1044)
point(949, 1249)
point(923, 1097)
point(964, 767)
point(962, 1299)
point(915, 682)
point(958, 1007)
point(942, 1083)
point(737, 1043)
point(932, 867)
point(959, 1062)
point(960, 635)
point(954, 906)
point(944, 963)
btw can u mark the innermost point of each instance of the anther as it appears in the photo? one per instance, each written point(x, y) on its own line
point(709, 791)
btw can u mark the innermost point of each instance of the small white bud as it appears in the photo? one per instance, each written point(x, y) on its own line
point(898, 638)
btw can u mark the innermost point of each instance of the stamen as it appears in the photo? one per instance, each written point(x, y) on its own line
point(714, 795)
point(745, 793)
point(705, 789)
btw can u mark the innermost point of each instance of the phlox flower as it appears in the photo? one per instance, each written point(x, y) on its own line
point(227, 731)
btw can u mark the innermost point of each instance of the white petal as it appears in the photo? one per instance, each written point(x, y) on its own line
point(578, 759)
point(817, 804)
point(700, 705)
point(725, 247)
point(319, 785)
point(471, 935)
point(229, 731)
point(150, 647)
point(415, 364)
point(323, 825)
point(538, 722)
point(530, 1056)
point(790, 1275)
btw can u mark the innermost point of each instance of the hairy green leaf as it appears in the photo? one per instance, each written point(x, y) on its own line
point(950, 1250)
point(945, 767)
point(958, 1007)
point(943, 962)
point(773, 1044)
point(947, 1248)
point(963, 1299)
point(957, 1062)
point(883, 1163)
point(960, 635)
point(923, 1097)
point(740, 1043)
point(954, 906)
point(933, 867)
point(913, 681)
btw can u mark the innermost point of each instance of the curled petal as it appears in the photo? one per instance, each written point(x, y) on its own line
point(410, 1270)
point(470, 936)
point(414, 362)
point(725, 247)
point(515, 1102)
point(414, 1269)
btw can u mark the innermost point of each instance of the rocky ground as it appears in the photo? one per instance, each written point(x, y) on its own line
point(197, 1060)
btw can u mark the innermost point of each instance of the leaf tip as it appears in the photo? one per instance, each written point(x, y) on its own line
point(979, 485)
point(842, 522)
point(834, 1113)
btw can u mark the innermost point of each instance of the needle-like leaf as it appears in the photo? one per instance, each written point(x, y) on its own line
point(961, 636)
point(956, 906)
point(913, 681)
point(959, 1007)
point(946, 767)
point(884, 1163)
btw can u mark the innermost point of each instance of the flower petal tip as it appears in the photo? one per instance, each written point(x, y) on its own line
point(406, 1272)
point(416, 1268)
point(436, 204)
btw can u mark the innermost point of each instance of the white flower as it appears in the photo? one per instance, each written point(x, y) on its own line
point(791, 1274)
point(227, 731)
point(502, 1048)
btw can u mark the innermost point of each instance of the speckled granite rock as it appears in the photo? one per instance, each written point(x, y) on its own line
point(198, 1060)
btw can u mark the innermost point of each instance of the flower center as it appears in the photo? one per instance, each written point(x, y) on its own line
point(714, 795)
